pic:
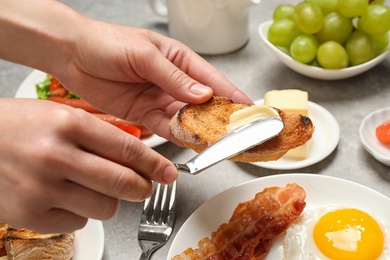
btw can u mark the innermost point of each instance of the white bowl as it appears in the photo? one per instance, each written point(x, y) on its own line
point(368, 135)
point(316, 72)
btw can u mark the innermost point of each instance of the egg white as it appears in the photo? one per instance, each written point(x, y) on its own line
point(298, 243)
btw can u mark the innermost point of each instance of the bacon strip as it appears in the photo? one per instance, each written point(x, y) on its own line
point(252, 226)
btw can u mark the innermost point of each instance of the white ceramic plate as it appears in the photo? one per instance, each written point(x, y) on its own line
point(89, 241)
point(325, 139)
point(320, 190)
point(27, 90)
point(368, 135)
point(316, 72)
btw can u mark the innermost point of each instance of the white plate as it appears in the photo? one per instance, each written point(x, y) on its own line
point(316, 72)
point(325, 138)
point(27, 90)
point(368, 137)
point(320, 190)
point(89, 241)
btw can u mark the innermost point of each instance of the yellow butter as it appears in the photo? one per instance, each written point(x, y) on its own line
point(301, 152)
point(291, 101)
point(245, 116)
point(288, 100)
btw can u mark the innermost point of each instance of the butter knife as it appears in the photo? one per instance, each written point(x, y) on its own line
point(237, 141)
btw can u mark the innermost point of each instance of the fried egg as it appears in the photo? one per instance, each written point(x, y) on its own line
point(337, 232)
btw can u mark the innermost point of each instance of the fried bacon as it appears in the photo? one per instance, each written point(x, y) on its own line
point(252, 226)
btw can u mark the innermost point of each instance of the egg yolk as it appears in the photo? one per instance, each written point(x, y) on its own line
point(348, 234)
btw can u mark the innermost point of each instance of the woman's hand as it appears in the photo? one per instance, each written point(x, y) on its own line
point(60, 166)
point(140, 75)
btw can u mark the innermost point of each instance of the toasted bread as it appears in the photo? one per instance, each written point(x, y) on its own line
point(3, 233)
point(199, 126)
point(23, 244)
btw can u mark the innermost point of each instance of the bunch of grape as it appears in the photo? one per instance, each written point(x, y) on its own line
point(332, 34)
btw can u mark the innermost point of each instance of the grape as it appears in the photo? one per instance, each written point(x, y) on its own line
point(282, 32)
point(336, 28)
point(327, 6)
point(352, 8)
point(332, 55)
point(304, 48)
point(360, 47)
point(332, 34)
point(284, 11)
point(376, 20)
point(381, 41)
point(308, 17)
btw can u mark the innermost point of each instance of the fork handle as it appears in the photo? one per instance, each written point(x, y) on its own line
point(148, 248)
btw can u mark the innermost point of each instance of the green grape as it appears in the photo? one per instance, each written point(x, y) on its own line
point(360, 47)
point(327, 6)
point(308, 17)
point(376, 20)
point(352, 8)
point(336, 28)
point(381, 41)
point(284, 11)
point(304, 48)
point(332, 55)
point(282, 32)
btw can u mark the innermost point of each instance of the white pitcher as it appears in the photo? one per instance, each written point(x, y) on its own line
point(207, 26)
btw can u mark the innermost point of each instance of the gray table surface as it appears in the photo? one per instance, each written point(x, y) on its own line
point(254, 70)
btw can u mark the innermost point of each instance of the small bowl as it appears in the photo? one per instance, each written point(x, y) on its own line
point(368, 135)
point(317, 72)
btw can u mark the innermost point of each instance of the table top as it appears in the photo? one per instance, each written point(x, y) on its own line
point(254, 70)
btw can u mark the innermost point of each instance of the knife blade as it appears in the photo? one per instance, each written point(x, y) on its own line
point(237, 141)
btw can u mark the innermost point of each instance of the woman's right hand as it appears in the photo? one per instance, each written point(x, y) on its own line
point(61, 166)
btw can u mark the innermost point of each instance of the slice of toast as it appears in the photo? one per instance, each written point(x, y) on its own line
point(23, 244)
point(199, 126)
point(3, 233)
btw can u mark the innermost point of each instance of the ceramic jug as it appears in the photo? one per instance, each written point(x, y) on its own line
point(207, 26)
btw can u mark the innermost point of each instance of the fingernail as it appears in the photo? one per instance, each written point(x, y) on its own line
point(198, 89)
point(170, 174)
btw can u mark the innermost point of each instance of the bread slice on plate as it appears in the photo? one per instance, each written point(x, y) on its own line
point(23, 244)
point(199, 126)
point(3, 233)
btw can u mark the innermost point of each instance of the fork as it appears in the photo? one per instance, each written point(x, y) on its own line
point(157, 219)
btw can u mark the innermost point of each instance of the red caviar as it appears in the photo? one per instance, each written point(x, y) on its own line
point(383, 133)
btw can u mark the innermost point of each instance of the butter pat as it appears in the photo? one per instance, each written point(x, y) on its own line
point(288, 100)
point(245, 116)
point(291, 101)
point(301, 152)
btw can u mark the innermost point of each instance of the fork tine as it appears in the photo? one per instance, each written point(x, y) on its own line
point(155, 203)
point(163, 203)
point(147, 212)
point(157, 219)
point(170, 204)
